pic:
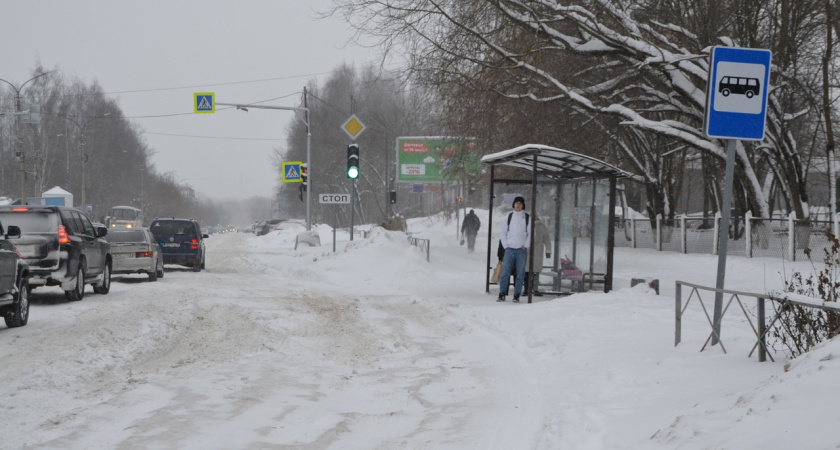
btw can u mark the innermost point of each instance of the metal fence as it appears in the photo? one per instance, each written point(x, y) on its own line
point(422, 244)
point(748, 236)
point(760, 328)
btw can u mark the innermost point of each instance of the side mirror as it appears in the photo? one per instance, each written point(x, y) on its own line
point(205, 236)
point(13, 231)
point(101, 231)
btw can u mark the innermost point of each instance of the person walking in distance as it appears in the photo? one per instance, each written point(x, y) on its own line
point(515, 238)
point(470, 229)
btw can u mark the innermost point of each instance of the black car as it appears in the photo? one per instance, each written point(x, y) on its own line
point(14, 287)
point(62, 247)
point(181, 241)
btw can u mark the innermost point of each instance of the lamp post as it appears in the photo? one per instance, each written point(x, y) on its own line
point(18, 147)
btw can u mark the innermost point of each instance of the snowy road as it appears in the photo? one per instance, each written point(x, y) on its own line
point(188, 361)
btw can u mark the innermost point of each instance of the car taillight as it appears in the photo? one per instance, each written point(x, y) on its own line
point(143, 255)
point(63, 238)
point(20, 209)
point(194, 244)
point(18, 252)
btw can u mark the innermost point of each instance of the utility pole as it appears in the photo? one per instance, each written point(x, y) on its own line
point(18, 146)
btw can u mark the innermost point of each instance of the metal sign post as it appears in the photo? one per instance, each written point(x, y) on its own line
point(736, 108)
point(335, 199)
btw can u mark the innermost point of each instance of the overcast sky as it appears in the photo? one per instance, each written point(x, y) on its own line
point(152, 55)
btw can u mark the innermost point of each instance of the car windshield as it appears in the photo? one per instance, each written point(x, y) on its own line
point(31, 221)
point(124, 213)
point(172, 228)
point(119, 236)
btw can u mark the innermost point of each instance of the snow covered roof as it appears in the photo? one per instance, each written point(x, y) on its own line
point(552, 161)
point(56, 191)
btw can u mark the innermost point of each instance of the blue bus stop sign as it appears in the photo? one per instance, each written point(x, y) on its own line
point(736, 93)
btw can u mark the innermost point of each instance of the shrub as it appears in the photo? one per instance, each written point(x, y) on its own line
point(799, 328)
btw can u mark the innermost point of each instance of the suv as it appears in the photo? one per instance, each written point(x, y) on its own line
point(181, 241)
point(14, 288)
point(62, 248)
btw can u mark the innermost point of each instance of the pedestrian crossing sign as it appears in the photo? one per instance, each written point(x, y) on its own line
point(291, 172)
point(204, 102)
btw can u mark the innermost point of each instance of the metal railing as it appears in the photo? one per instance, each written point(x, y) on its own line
point(422, 244)
point(760, 328)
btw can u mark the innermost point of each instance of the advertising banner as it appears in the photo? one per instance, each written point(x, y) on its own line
point(427, 159)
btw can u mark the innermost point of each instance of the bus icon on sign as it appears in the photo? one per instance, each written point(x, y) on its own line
point(739, 85)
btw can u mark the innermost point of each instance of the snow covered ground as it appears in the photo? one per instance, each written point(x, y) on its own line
point(372, 347)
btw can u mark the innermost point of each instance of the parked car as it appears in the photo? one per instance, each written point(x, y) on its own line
point(135, 250)
point(14, 285)
point(265, 226)
point(181, 241)
point(62, 247)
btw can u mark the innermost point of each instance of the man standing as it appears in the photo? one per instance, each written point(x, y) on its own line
point(515, 238)
point(470, 229)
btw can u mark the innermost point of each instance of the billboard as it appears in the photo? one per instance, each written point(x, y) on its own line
point(427, 159)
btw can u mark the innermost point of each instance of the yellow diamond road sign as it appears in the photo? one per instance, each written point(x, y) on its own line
point(353, 127)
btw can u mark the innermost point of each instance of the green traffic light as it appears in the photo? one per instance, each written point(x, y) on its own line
point(353, 172)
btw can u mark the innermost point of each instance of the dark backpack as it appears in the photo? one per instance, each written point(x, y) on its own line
point(510, 216)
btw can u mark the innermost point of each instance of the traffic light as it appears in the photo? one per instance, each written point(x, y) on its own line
point(353, 161)
point(304, 175)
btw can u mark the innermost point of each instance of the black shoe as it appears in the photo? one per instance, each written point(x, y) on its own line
point(501, 298)
point(516, 298)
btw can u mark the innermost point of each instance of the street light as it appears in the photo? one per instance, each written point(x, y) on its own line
point(17, 133)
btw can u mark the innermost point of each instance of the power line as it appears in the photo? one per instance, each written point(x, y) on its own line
point(212, 137)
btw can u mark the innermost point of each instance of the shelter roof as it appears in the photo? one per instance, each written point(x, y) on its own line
point(553, 162)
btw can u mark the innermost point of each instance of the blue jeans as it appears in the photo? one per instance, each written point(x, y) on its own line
point(513, 257)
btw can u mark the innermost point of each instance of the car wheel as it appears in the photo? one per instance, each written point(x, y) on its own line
point(153, 275)
point(78, 291)
point(105, 286)
point(18, 316)
point(160, 269)
point(196, 267)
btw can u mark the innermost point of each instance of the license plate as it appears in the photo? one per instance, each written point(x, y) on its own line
point(124, 255)
point(172, 244)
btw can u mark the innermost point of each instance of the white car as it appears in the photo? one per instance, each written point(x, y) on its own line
point(135, 250)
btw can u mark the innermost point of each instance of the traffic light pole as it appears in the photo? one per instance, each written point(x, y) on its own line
point(352, 206)
point(308, 145)
point(353, 172)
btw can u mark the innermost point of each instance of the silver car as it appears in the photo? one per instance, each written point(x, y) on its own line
point(135, 250)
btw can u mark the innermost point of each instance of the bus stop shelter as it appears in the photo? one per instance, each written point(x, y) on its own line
point(574, 195)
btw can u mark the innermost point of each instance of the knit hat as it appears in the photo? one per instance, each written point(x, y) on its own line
point(519, 199)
